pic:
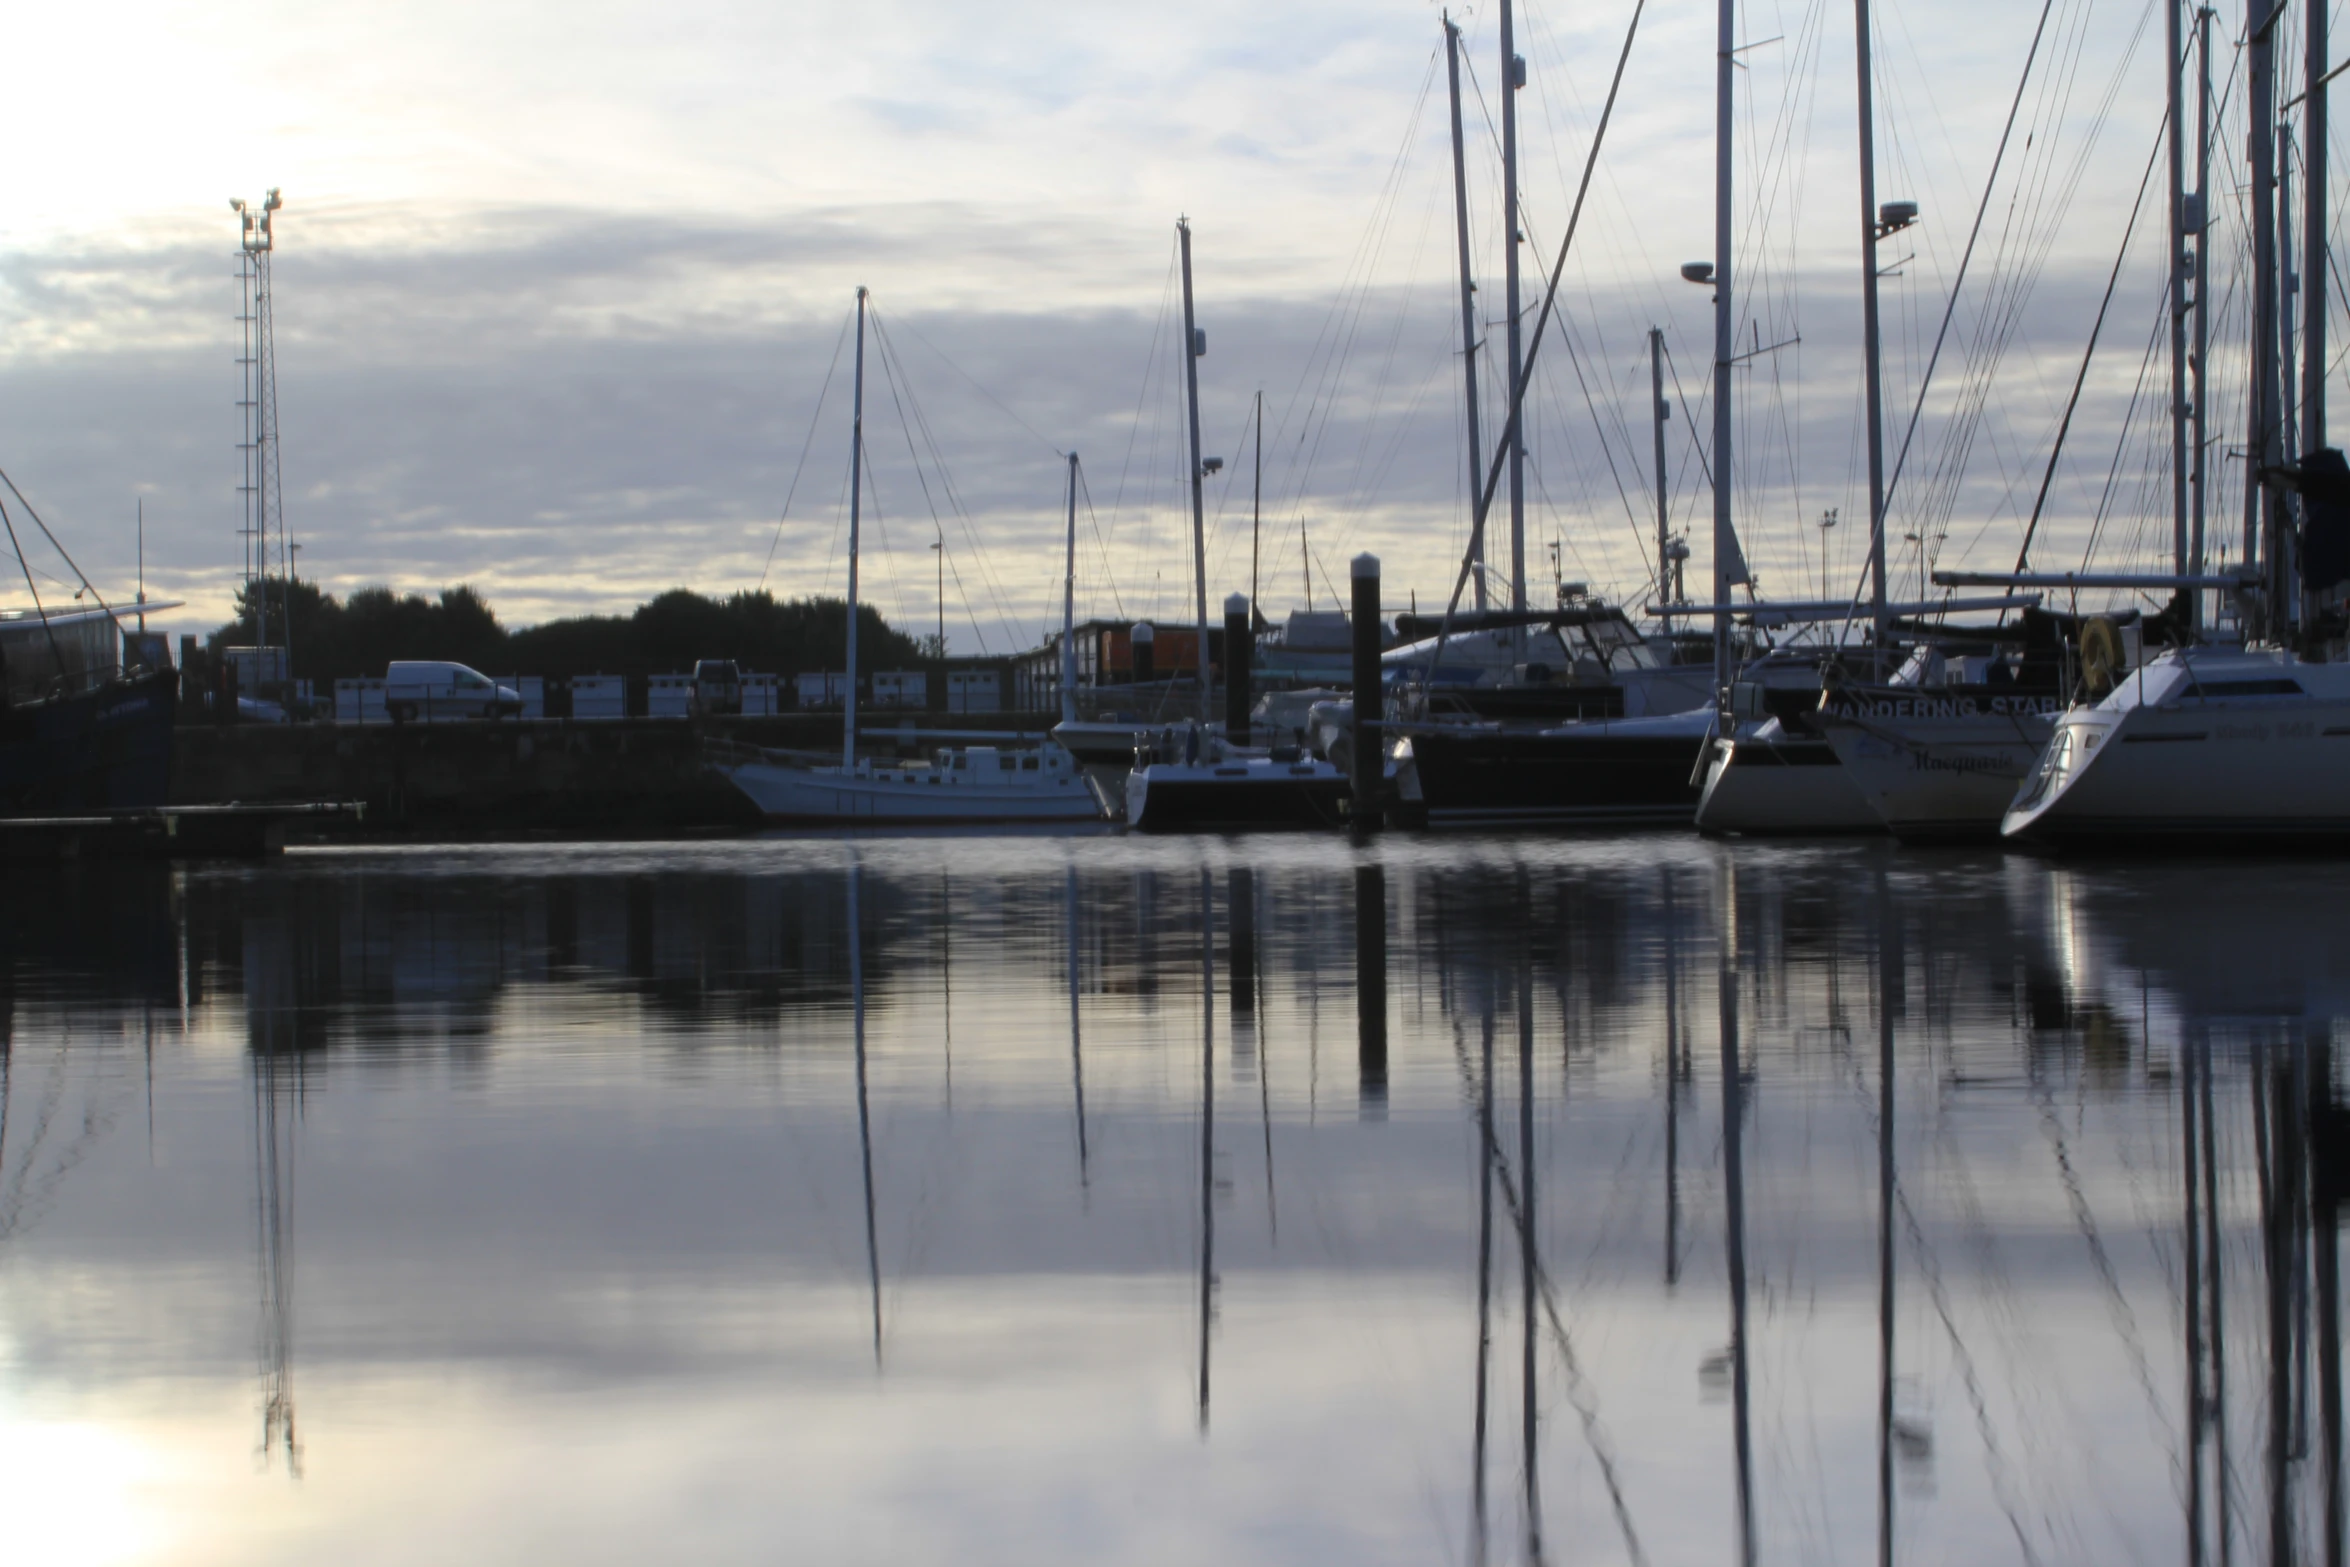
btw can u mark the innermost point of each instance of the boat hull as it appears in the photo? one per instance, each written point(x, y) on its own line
point(820, 797)
point(1634, 773)
point(1940, 779)
point(102, 750)
point(2277, 773)
point(1237, 797)
point(1787, 784)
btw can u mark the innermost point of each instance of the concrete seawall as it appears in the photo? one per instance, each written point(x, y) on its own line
point(518, 776)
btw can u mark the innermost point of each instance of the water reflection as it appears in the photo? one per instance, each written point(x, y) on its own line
point(750, 1200)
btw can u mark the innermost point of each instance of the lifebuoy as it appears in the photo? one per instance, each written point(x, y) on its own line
point(2101, 656)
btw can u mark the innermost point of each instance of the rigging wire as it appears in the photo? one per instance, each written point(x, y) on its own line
point(814, 420)
point(2056, 450)
point(1894, 479)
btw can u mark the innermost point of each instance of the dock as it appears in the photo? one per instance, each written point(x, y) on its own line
point(232, 831)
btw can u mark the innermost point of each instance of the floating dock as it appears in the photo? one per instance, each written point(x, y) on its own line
point(179, 832)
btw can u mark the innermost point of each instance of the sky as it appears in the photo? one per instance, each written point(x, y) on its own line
point(563, 297)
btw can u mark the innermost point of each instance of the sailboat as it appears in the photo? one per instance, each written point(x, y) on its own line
point(961, 786)
point(1187, 778)
point(2250, 741)
point(1943, 758)
point(2198, 742)
point(1637, 719)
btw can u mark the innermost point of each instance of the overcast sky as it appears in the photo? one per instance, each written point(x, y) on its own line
point(558, 290)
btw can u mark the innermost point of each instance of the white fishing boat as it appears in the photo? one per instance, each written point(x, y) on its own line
point(974, 785)
point(2198, 743)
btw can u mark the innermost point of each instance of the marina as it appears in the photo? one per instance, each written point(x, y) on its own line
point(1489, 785)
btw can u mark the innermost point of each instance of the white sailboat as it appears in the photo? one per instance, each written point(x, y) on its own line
point(2199, 742)
point(2251, 742)
point(962, 786)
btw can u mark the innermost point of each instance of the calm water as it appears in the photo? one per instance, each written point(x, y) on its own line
point(1047, 1200)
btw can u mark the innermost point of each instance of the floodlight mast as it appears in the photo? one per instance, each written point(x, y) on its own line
point(262, 491)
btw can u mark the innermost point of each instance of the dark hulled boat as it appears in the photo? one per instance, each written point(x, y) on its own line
point(81, 731)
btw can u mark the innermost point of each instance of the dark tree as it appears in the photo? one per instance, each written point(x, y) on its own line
point(341, 640)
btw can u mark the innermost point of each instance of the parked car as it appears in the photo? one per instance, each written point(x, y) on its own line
point(718, 687)
point(432, 689)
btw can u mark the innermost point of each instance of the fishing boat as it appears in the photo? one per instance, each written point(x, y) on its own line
point(976, 785)
point(86, 714)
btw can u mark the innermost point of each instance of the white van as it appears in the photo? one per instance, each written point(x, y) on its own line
point(430, 689)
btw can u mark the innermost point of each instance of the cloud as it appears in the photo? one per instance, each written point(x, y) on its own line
point(579, 363)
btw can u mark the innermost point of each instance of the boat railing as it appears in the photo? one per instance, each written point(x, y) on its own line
point(722, 752)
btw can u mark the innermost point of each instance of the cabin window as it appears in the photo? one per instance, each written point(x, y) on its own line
point(2268, 687)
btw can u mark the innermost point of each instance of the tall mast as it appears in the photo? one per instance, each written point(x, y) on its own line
point(1460, 220)
point(1656, 419)
point(2288, 438)
point(2175, 90)
point(1725, 62)
point(1194, 345)
point(1889, 972)
point(2313, 235)
point(1256, 507)
point(848, 705)
point(2200, 478)
point(2260, 437)
point(1069, 608)
point(1734, 1160)
point(1513, 77)
point(1871, 230)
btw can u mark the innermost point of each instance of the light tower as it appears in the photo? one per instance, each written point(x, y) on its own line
point(263, 533)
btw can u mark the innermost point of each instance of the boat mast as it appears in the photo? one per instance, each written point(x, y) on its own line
point(1872, 229)
point(2313, 237)
point(1725, 62)
point(2200, 479)
point(848, 705)
point(1460, 219)
point(1069, 608)
point(1194, 345)
point(1656, 419)
point(2174, 89)
point(1256, 506)
point(2288, 437)
point(2260, 511)
point(1513, 70)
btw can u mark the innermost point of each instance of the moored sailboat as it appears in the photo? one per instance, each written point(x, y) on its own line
point(966, 786)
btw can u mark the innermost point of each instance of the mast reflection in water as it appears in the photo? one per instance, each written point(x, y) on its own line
point(896, 1201)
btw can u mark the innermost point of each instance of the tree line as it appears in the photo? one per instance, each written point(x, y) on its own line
point(354, 638)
